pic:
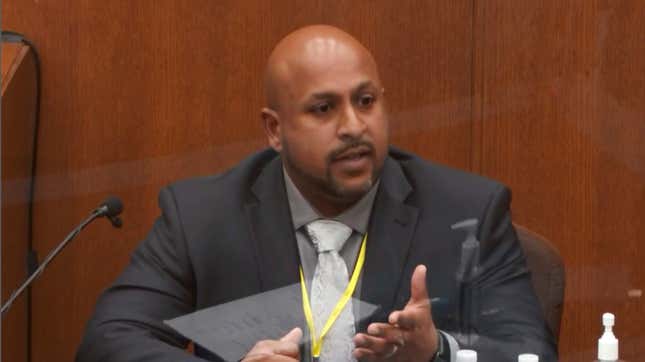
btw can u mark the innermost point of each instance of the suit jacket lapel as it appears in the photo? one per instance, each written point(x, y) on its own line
point(391, 229)
point(272, 230)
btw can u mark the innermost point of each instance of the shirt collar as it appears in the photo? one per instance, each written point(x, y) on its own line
point(356, 217)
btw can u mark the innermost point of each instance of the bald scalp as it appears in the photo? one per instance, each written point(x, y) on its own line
point(312, 48)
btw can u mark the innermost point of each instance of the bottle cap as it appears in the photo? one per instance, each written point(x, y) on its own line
point(608, 343)
point(466, 355)
point(528, 357)
point(608, 319)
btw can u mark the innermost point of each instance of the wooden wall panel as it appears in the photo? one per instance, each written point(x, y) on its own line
point(18, 123)
point(559, 116)
point(139, 93)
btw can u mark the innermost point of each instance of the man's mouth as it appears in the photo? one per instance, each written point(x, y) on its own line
point(353, 154)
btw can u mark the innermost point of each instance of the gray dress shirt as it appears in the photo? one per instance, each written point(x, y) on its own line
point(356, 217)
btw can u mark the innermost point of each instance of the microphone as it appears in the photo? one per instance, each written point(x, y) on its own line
point(110, 208)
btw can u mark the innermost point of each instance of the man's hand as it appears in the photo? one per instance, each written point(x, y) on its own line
point(284, 350)
point(410, 334)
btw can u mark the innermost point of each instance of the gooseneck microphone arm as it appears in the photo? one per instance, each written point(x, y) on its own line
point(110, 208)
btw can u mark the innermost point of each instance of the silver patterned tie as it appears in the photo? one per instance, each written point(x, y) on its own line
point(329, 283)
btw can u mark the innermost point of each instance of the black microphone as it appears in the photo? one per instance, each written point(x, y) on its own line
point(110, 208)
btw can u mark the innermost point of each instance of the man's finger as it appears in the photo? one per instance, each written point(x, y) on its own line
point(288, 345)
point(364, 355)
point(377, 345)
point(409, 319)
point(294, 336)
point(290, 350)
point(388, 332)
point(418, 289)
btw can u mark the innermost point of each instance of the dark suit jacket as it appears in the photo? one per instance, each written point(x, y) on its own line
point(228, 236)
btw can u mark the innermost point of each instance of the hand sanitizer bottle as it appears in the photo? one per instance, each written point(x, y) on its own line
point(528, 357)
point(466, 355)
point(608, 343)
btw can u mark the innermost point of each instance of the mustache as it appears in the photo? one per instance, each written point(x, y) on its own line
point(348, 146)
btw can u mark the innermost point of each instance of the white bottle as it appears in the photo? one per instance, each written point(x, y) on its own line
point(466, 355)
point(528, 357)
point(608, 343)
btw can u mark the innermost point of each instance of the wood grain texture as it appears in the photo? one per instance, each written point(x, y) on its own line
point(18, 121)
point(139, 93)
point(559, 90)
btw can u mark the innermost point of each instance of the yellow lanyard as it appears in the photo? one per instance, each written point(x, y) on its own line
point(316, 342)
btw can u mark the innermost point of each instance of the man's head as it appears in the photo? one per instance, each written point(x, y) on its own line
point(326, 115)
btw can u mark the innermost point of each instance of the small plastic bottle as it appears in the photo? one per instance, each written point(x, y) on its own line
point(528, 357)
point(466, 355)
point(608, 343)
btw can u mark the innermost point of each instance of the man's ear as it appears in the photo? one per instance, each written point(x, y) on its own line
point(271, 122)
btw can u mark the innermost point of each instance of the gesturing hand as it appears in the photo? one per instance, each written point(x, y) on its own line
point(283, 350)
point(410, 334)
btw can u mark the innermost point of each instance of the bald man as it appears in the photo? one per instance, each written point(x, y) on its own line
point(253, 229)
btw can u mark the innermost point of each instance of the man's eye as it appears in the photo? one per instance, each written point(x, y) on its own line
point(321, 108)
point(365, 100)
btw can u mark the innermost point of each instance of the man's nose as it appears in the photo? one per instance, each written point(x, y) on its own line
point(351, 124)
